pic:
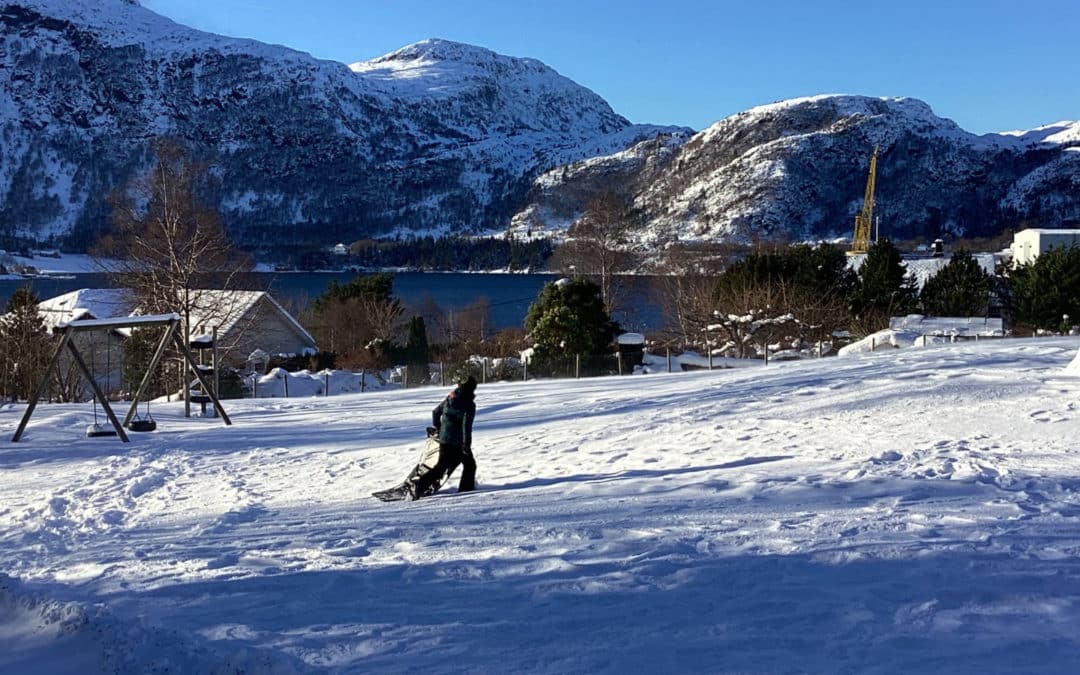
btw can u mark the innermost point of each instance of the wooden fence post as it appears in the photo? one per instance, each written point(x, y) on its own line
point(217, 368)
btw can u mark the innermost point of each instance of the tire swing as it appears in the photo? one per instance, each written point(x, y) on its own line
point(142, 423)
point(146, 423)
point(96, 430)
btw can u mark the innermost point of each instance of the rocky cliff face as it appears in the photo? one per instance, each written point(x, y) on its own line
point(797, 170)
point(438, 136)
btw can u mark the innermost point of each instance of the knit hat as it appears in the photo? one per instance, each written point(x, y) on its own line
point(468, 384)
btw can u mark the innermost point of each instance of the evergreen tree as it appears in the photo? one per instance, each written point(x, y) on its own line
point(884, 288)
point(1041, 293)
point(378, 287)
point(960, 288)
point(417, 352)
point(24, 346)
point(569, 318)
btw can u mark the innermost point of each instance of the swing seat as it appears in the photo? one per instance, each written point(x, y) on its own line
point(98, 431)
point(142, 425)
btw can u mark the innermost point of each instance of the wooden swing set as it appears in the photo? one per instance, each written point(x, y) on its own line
point(171, 335)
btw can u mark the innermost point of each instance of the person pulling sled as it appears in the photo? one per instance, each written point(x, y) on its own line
point(449, 444)
point(453, 422)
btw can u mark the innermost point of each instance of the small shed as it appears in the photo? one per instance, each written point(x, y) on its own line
point(631, 349)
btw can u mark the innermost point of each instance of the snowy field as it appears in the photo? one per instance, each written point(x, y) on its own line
point(914, 510)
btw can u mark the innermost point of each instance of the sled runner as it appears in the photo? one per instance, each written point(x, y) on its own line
point(429, 457)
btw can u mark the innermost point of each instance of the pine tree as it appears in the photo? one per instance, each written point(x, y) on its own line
point(417, 352)
point(960, 288)
point(1040, 294)
point(24, 345)
point(568, 319)
point(884, 288)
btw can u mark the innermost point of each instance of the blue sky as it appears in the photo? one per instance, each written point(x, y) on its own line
point(993, 65)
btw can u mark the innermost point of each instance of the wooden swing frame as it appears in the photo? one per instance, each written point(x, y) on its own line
point(170, 321)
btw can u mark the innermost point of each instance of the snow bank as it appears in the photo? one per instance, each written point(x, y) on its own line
point(45, 636)
point(279, 383)
point(658, 363)
point(1074, 367)
point(887, 338)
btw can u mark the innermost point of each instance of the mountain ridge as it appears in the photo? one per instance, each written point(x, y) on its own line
point(796, 169)
point(441, 137)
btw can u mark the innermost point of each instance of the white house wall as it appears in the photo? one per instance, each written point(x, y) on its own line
point(261, 327)
point(1029, 244)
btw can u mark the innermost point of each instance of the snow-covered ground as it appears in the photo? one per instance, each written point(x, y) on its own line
point(67, 263)
point(914, 510)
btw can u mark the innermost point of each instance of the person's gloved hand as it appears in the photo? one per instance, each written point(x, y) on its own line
point(431, 431)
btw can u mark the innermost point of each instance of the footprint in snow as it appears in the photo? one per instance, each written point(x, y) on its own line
point(888, 457)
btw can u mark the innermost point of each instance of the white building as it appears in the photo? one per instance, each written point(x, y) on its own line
point(1028, 244)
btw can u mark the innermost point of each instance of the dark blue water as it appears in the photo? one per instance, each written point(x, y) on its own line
point(508, 295)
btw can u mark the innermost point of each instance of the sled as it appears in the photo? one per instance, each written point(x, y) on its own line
point(429, 457)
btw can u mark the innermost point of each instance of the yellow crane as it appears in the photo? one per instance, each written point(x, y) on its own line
point(860, 243)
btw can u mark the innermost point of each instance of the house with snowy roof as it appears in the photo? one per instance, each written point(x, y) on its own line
point(244, 321)
point(103, 350)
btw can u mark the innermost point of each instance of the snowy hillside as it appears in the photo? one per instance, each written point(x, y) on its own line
point(443, 137)
point(797, 169)
point(909, 511)
point(437, 135)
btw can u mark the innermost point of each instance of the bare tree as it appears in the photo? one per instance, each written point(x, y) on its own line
point(166, 244)
point(748, 314)
point(357, 327)
point(686, 289)
point(598, 244)
point(472, 322)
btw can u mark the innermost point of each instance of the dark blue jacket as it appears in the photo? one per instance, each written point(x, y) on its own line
point(454, 418)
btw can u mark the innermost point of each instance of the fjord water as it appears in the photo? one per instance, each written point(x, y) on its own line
point(508, 295)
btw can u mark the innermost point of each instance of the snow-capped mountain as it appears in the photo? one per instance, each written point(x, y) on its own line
point(798, 169)
point(441, 137)
point(436, 136)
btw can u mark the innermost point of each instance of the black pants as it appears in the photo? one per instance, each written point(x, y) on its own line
point(449, 457)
